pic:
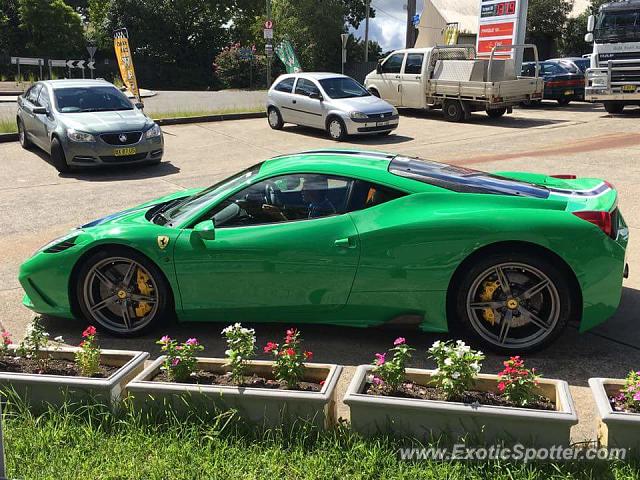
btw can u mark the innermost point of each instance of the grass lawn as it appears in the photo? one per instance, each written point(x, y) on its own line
point(200, 113)
point(93, 444)
point(8, 125)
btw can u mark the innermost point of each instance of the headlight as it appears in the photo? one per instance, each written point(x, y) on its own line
point(76, 136)
point(154, 131)
point(358, 115)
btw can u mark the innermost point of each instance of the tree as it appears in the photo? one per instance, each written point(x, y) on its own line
point(12, 38)
point(51, 28)
point(546, 23)
point(572, 42)
point(173, 42)
point(355, 50)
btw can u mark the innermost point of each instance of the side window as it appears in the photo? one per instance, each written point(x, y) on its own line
point(367, 195)
point(413, 64)
point(285, 85)
point(306, 87)
point(33, 94)
point(286, 198)
point(43, 99)
point(393, 63)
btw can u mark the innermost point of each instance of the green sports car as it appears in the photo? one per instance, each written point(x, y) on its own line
point(350, 238)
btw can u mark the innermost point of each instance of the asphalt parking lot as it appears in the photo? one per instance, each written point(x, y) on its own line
point(38, 204)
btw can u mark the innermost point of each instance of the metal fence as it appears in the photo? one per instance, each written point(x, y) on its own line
point(359, 70)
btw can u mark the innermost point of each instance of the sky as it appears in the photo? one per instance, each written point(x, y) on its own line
point(388, 28)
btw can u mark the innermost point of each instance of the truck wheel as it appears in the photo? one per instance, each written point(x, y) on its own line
point(563, 102)
point(613, 107)
point(453, 111)
point(496, 112)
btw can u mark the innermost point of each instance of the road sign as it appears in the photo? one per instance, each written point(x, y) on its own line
point(501, 23)
point(416, 20)
point(91, 65)
point(92, 50)
point(268, 24)
point(268, 49)
point(57, 63)
point(245, 53)
point(80, 64)
point(71, 63)
point(268, 33)
point(27, 61)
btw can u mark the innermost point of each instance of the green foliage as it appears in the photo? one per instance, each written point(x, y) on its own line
point(232, 71)
point(572, 43)
point(355, 50)
point(389, 373)
point(457, 366)
point(181, 358)
point(546, 24)
point(88, 357)
point(51, 28)
point(241, 346)
point(289, 358)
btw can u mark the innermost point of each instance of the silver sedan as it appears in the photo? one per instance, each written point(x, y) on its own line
point(332, 102)
point(87, 123)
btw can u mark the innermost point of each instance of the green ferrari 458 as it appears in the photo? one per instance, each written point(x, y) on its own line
point(350, 238)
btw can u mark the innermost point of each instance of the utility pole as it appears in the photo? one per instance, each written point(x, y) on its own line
point(366, 34)
point(411, 29)
point(269, 47)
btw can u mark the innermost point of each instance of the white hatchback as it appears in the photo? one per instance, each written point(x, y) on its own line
point(332, 102)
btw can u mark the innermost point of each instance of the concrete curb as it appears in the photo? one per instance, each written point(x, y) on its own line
point(13, 137)
point(211, 118)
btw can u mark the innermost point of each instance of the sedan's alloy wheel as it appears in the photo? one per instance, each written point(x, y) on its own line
point(120, 294)
point(513, 305)
point(335, 129)
point(273, 118)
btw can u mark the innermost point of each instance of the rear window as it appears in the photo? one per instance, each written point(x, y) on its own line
point(462, 180)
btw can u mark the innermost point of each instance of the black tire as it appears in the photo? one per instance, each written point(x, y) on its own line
point(453, 111)
point(58, 158)
point(22, 136)
point(336, 129)
point(563, 102)
point(614, 108)
point(274, 118)
point(496, 112)
point(561, 303)
point(163, 295)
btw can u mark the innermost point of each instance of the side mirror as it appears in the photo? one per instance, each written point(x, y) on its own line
point(39, 111)
point(379, 68)
point(591, 23)
point(205, 230)
point(588, 37)
point(140, 105)
point(315, 96)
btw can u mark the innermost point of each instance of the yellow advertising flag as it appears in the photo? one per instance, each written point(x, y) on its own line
point(125, 61)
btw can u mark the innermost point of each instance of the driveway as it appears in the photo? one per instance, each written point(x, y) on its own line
point(37, 204)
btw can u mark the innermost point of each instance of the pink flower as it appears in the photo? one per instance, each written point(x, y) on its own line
point(308, 355)
point(89, 331)
point(175, 362)
point(377, 381)
point(6, 337)
point(270, 347)
point(501, 386)
point(399, 341)
point(380, 358)
point(165, 339)
point(192, 342)
point(636, 397)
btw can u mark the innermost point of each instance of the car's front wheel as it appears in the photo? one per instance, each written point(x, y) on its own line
point(336, 129)
point(513, 302)
point(122, 291)
point(22, 136)
point(58, 157)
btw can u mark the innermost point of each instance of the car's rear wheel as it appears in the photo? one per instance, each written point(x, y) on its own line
point(274, 118)
point(122, 291)
point(514, 302)
point(57, 156)
point(22, 136)
point(336, 129)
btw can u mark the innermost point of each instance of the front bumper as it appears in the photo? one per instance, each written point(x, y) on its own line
point(100, 153)
point(358, 126)
point(603, 94)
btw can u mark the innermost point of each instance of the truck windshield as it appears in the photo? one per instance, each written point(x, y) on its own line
point(342, 87)
point(463, 180)
point(618, 26)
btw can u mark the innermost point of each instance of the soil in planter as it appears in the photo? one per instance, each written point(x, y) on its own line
point(203, 377)
point(51, 367)
point(412, 390)
point(619, 406)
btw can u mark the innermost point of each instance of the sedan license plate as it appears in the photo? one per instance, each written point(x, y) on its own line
point(123, 152)
point(629, 88)
point(382, 124)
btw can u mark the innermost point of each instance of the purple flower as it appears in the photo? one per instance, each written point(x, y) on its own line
point(165, 339)
point(377, 381)
point(636, 397)
point(399, 341)
point(380, 358)
point(192, 341)
point(175, 362)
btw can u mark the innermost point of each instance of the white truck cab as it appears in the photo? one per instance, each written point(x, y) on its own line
point(452, 78)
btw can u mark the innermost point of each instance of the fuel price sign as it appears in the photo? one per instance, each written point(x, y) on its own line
point(501, 23)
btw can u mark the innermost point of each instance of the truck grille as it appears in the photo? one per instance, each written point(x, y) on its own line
point(625, 67)
point(128, 138)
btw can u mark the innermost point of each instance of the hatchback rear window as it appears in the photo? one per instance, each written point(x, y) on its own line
point(462, 180)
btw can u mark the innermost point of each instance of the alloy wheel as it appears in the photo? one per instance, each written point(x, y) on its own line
point(513, 305)
point(335, 129)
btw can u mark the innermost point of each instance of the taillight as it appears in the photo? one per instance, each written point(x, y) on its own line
point(602, 220)
point(564, 176)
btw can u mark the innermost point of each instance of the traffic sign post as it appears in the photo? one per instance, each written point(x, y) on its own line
point(39, 62)
point(91, 48)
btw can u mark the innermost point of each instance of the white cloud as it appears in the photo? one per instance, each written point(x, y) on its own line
point(388, 28)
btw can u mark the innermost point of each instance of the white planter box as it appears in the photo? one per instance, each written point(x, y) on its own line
point(38, 390)
point(264, 406)
point(615, 429)
point(453, 422)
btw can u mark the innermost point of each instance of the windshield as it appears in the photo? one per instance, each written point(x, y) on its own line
point(91, 99)
point(462, 180)
point(618, 26)
point(183, 210)
point(341, 87)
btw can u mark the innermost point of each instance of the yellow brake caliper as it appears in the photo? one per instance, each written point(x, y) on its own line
point(143, 286)
point(486, 296)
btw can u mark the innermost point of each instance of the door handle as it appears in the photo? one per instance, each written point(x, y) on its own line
point(295, 101)
point(345, 243)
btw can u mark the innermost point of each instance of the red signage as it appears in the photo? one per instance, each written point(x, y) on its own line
point(497, 30)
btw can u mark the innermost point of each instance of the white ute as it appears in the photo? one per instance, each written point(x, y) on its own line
point(453, 79)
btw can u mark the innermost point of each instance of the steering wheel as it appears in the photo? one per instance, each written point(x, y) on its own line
point(272, 194)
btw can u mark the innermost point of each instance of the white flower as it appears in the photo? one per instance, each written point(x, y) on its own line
point(436, 344)
point(475, 366)
point(436, 371)
point(455, 375)
point(228, 352)
point(45, 334)
point(370, 378)
point(193, 374)
point(59, 339)
point(448, 362)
